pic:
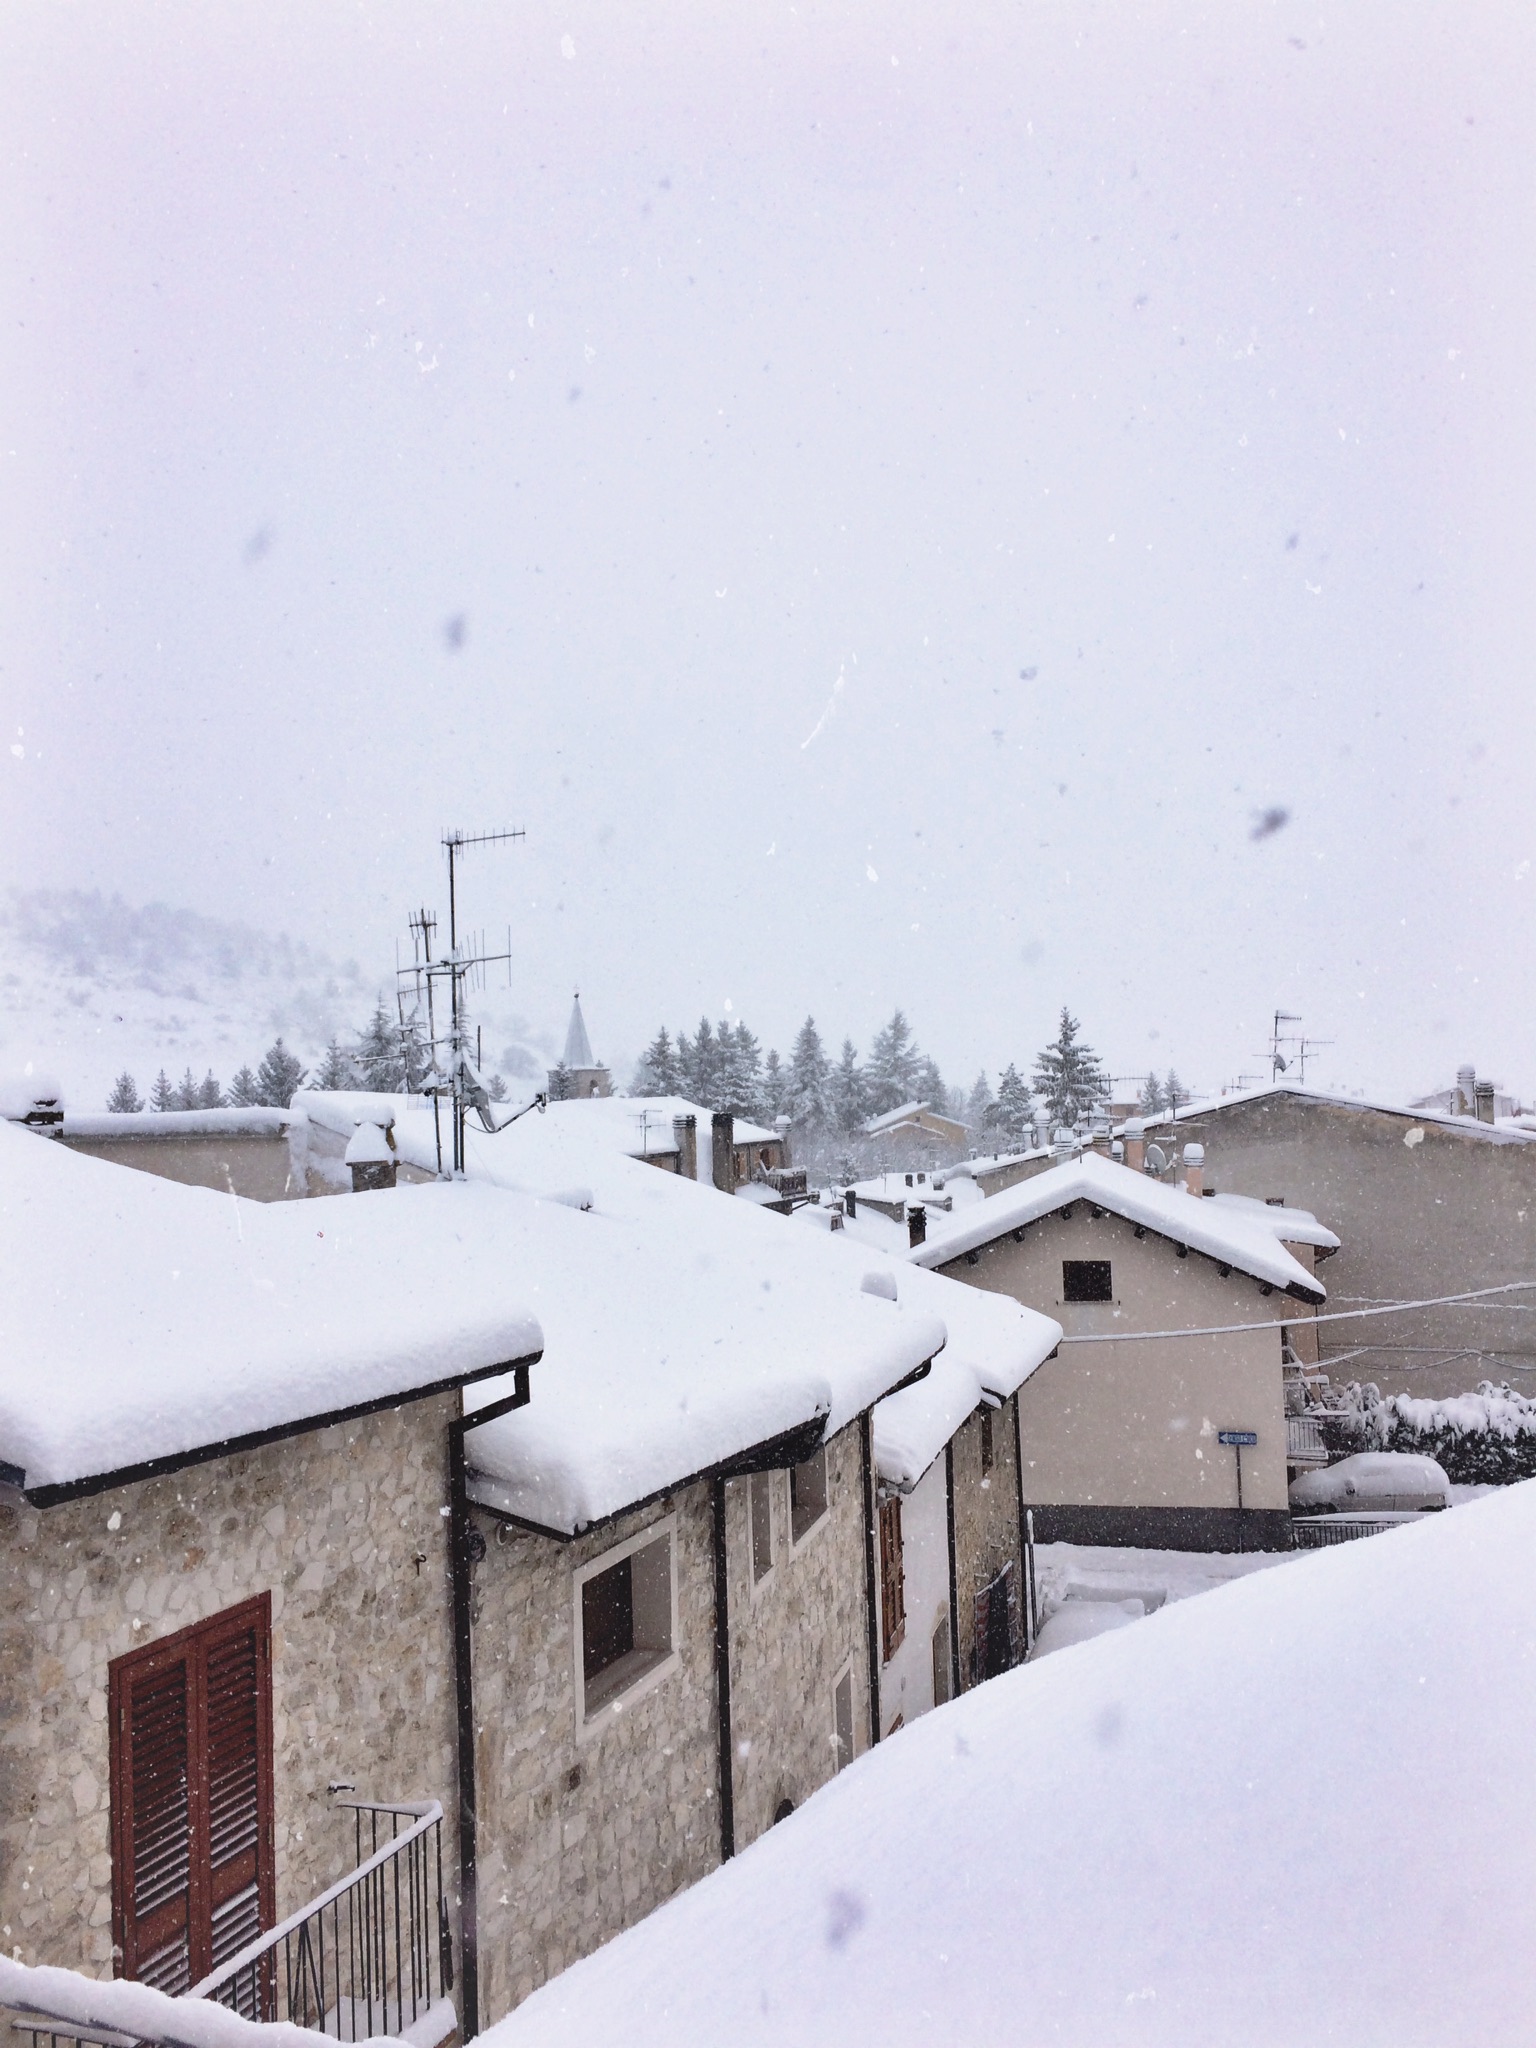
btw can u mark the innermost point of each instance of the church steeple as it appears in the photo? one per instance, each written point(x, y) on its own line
point(578, 1076)
point(578, 1047)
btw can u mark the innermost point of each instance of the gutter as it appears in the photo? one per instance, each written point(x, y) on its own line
point(871, 1589)
point(723, 1671)
point(462, 1539)
point(954, 1575)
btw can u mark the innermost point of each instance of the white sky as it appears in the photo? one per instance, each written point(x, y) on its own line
point(916, 483)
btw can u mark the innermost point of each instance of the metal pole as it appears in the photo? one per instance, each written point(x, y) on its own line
point(1239, 1451)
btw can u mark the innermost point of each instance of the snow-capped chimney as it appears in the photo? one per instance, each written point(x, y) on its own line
point(685, 1135)
point(1194, 1168)
point(917, 1223)
point(371, 1156)
point(1135, 1144)
point(1482, 1096)
point(723, 1150)
point(1465, 1099)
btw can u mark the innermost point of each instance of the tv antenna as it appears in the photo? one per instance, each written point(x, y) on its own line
point(438, 1061)
point(1290, 1048)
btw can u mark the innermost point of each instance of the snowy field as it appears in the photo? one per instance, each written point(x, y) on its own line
point(1290, 1812)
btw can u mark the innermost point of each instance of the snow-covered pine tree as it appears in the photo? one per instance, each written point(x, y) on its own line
point(496, 1088)
point(125, 1099)
point(1175, 1094)
point(775, 1087)
point(278, 1076)
point(1069, 1077)
point(1013, 1113)
point(656, 1070)
point(186, 1092)
point(379, 1062)
point(807, 1100)
point(699, 1059)
point(244, 1090)
point(209, 1094)
point(741, 1070)
point(891, 1077)
point(338, 1069)
point(1151, 1097)
point(845, 1091)
point(562, 1083)
point(929, 1084)
point(162, 1096)
point(977, 1103)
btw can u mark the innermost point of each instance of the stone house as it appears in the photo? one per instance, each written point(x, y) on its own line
point(1161, 1418)
point(1429, 1204)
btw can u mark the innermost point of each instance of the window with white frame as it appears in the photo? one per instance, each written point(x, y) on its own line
point(807, 1495)
point(625, 1622)
point(760, 1512)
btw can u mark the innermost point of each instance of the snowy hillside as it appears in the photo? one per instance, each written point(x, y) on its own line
point(90, 986)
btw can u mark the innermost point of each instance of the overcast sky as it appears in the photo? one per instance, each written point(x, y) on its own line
point(893, 499)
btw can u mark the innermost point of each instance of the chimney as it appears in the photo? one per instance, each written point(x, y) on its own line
point(781, 1125)
point(850, 1202)
point(723, 1150)
point(1483, 1098)
point(685, 1135)
point(1465, 1097)
point(917, 1223)
point(1194, 1168)
point(371, 1156)
point(1136, 1144)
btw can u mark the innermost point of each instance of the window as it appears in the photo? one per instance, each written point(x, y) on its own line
point(893, 1603)
point(191, 1767)
point(760, 1508)
point(986, 1439)
point(807, 1495)
point(626, 1607)
point(943, 1670)
point(1086, 1280)
point(842, 1720)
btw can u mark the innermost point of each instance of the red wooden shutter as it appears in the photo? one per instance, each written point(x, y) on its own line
point(893, 1602)
point(191, 1722)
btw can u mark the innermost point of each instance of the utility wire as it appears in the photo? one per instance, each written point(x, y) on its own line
point(1343, 1315)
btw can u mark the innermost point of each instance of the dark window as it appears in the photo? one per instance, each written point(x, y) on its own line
point(986, 1439)
point(1086, 1280)
point(893, 1591)
point(807, 1494)
point(761, 1506)
point(607, 1618)
point(191, 1764)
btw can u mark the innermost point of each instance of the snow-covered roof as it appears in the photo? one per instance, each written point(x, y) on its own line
point(1189, 1112)
point(180, 1123)
point(578, 1047)
point(1218, 1230)
point(908, 1113)
point(1106, 1847)
point(141, 1320)
point(1291, 1226)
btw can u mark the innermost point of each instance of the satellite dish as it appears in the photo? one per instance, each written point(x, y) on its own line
point(1157, 1159)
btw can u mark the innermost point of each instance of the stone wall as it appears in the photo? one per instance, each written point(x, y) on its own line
point(344, 1528)
point(792, 1637)
point(986, 1518)
point(579, 1838)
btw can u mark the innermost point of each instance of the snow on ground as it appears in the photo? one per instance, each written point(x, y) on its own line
point(1292, 1812)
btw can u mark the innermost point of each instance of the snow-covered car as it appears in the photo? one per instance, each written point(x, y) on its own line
point(1382, 1482)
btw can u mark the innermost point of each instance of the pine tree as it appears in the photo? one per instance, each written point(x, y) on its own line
point(1069, 1076)
point(209, 1093)
point(1151, 1097)
point(929, 1085)
point(562, 1083)
point(186, 1092)
point(338, 1070)
point(278, 1076)
point(1013, 1113)
point(496, 1088)
point(656, 1070)
point(894, 1063)
point(162, 1096)
point(379, 1062)
point(125, 1099)
point(244, 1092)
point(699, 1060)
point(1175, 1094)
point(775, 1087)
point(846, 1096)
point(977, 1103)
point(740, 1080)
point(807, 1099)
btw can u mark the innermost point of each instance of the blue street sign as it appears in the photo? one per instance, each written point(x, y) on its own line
point(1242, 1437)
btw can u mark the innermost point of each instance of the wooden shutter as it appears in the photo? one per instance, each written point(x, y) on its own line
point(191, 1728)
point(893, 1603)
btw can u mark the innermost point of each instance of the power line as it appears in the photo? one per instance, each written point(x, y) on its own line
point(1343, 1315)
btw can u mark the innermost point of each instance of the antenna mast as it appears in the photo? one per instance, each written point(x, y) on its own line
point(438, 1062)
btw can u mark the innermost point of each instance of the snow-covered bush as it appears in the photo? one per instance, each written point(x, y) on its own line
point(1482, 1439)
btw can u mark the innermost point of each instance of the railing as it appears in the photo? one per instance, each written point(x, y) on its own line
point(372, 1955)
point(1317, 1532)
point(1304, 1441)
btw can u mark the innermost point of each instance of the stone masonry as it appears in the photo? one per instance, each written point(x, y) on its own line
point(344, 1527)
point(986, 1518)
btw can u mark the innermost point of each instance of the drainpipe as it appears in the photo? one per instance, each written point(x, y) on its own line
point(723, 1673)
point(954, 1574)
point(1018, 1473)
point(871, 1589)
point(465, 1546)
